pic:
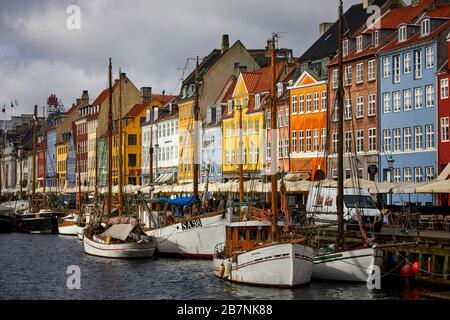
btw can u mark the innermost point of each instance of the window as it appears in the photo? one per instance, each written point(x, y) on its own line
point(375, 39)
point(230, 106)
point(372, 105)
point(371, 70)
point(301, 141)
point(444, 129)
point(131, 160)
point(386, 67)
point(308, 140)
point(345, 48)
point(316, 101)
point(407, 63)
point(444, 88)
point(359, 73)
point(359, 43)
point(323, 139)
point(372, 139)
point(396, 69)
point(335, 142)
point(286, 148)
point(407, 174)
point(429, 136)
point(280, 149)
point(418, 138)
point(397, 175)
point(397, 140)
point(294, 141)
point(418, 174)
point(301, 103)
point(360, 141)
point(430, 96)
point(268, 150)
point(359, 107)
point(335, 79)
point(258, 100)
point(132, 139)
point(286, 117)
point(387, 102)
point(396, 101)
point(348, 109)
point(407, 139)
point(425, 28)
point(308, 102)
point(316, 140)
point(348, 76)
point(280, 119)
point(417, 64)
point(430, 57)
point(324, 101)
point(279, 89)
point(402, 34)
point(335, 111)
point(418, 100)
point(294, 104)
point(407, 99)
point(348, 142)
point(387, 140)
point(430, 173)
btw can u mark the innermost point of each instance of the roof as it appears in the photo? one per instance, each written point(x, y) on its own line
point(260, 80)
point(326, 45)
point(440, 12)
point(137, 109)
point(101, 97)
point(394, 44)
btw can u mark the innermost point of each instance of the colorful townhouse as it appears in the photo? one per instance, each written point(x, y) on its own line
point(361, 81)
point(246, 106)
point(308, 126)
point(408, 96)
point(443, 122)
point(213, 73)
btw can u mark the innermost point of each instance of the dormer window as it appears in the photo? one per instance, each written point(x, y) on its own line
point(375, 38)
point(279, 89)
point(257, 101)
point(425, 28)
point(230, 106)
point(359, 44)
point(291, 83)
point(402, 34)
point(345, 47)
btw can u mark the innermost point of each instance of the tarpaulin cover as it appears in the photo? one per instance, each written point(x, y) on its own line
point(184, 201)
point(119, 231)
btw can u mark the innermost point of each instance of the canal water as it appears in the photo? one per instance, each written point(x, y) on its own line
point(35, 267)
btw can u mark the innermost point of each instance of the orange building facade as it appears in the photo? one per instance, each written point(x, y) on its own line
point(308, 126)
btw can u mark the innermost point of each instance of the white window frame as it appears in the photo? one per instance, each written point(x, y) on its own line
point(372, 105)
point(372, 146)
point(294, 141)
point(301, 103)
point(445, 129)
point(407, 100)
point(308, 140)
point(418, 174)
point(418, 138)
point(348, 76)
point(444, 88)
point(348, 109)
point(359, 107)
point(425, 27)
point(429, 52)
point(429, 93)
point(396, 101)
point(396, 69)
point(348, 142)
point(316, 140)
point(402, 34)
point(335, 79)
point(324, 101)
point(359, 73)
point(407, 62)
point(418, 98)
point(301, 141)
point(360, 141)
point(335, 143)
point(429, 171)
point(375, 38)
point(308, 103)
point(345, 47)
point(407, 174)
point(386, 67)
point(387, 102)
point(418, 64)
point(397, 139)
point(429, 141)
point(371, 70)
point(359, 43)
point(387, 140)
point(316, 102)
point(294, 104)
point(407, 139)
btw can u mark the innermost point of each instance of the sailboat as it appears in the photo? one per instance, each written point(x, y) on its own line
point(33, 220)
point(336, 262)
point(193, 237)
point(121, 236)
point(254, 252)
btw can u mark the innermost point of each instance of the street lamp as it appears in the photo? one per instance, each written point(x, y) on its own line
point(391, 169)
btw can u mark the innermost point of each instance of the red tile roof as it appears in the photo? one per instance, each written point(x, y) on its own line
point(101, 97)
point(440, 12)
point(162, 99)
point(137, 109)
point(259, 80)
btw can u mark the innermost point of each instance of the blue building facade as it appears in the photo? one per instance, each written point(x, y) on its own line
point(71, 162)
point(50, 159)
point(408, 107)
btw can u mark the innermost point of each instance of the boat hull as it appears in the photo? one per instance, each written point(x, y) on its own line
point(195, 241)
point(5, 224)
point(69, 230)
point(279, 265)
point(122, 250)
point(33, 223)
point(352, 265)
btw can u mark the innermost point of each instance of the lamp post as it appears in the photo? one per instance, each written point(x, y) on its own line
point(391, 169)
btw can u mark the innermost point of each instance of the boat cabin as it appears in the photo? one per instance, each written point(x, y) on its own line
point(247, 235)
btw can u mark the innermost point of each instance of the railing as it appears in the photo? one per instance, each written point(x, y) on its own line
point(219, 251)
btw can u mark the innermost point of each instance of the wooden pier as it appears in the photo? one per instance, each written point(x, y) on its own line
point(430, 248)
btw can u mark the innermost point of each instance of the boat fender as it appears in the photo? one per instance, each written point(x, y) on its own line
point(227, 270)
point(108, 240)
point(221, 270)
point(169, 220)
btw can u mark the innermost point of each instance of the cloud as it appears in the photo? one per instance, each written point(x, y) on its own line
point(149, 39)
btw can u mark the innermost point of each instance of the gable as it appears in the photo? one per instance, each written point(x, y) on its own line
point(305, 79)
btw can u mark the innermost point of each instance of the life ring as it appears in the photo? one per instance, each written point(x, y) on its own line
point(169, 220)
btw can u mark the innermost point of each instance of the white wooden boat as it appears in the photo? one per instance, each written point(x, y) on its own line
point(119, 242)
point(69, 226)
point(80, 233)
point(260, 262)
point(349, 265)
point(193, 237)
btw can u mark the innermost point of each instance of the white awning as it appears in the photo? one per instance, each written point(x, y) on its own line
point(445, 173)
point(119, 231)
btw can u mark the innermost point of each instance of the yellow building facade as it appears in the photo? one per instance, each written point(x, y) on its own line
point(186, 141)
point(61, 163)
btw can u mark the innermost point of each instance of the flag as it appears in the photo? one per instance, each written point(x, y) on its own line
point(4, 108)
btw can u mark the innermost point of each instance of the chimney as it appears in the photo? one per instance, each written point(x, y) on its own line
point(79, 101)
point(366, 3)
point(85, 96)
point(170, 106)
point(146, 94)
point(225, 43)
point(242, 68)
point(415, 3)
point(324, 27)
point(268, 53)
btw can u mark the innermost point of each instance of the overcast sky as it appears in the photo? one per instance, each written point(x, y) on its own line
point(149, 39)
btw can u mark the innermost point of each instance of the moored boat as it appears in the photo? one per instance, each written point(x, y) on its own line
point(30, 222)
point(5, 219)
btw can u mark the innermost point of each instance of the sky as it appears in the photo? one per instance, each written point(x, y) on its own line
point(150, 40)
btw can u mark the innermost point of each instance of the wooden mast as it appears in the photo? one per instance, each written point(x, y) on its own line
point(196, 119)
point(1, 167)
point(110, 128)
point(44, 151)
point(273, 131)
point(96, 165)
point(33, 185)
point(241, 165)
point(79, 175)
point(20, 165)
point(150, 172)
point(120, 147)
point(340, 194)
